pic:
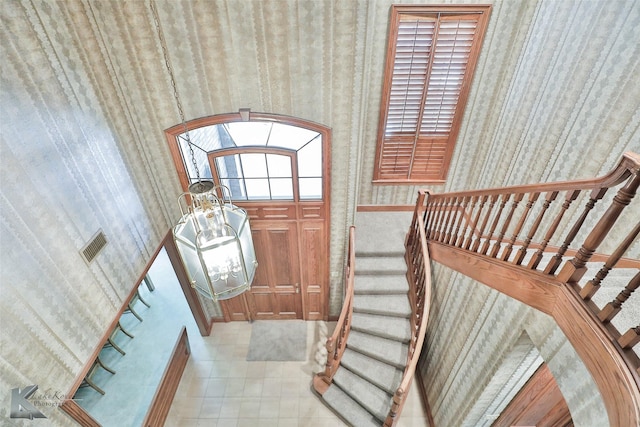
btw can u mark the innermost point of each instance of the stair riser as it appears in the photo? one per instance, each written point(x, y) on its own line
point(378, 312)
point(375, 356)
point(380, 334)
point(373, 381)
point(375, 412)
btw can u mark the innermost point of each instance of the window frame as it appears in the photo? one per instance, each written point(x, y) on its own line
point(409, 146)
point(172, 133)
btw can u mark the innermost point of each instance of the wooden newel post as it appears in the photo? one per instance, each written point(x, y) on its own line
point(575, 268)
point(398, 399)
point(330, 357)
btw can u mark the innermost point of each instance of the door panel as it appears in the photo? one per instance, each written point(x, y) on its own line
point(275, 291)
point(312, 266)
point(235, 308)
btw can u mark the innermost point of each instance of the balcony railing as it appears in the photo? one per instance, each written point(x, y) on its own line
point(539, 244)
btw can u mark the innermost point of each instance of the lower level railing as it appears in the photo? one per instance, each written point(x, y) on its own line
point(551, 234)
point(337, 343)
point(419, 278)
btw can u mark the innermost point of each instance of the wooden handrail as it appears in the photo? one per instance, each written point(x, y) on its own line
point(457, 225)
point(629, 163)
point(337, 343)
point(419, 278)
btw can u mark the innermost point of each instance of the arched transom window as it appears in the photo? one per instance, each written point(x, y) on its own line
point(257, 160)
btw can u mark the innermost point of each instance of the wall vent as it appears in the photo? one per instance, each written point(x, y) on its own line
point(93, 248)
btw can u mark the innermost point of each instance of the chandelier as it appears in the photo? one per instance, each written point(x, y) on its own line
point(213, 235)
point(214, 240)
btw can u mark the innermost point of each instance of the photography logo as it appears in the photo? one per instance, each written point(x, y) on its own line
point(21, 407)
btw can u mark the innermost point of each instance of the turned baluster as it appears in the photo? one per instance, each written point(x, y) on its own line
point(467, 216)
point(439, 217)
point(462, 208)
point(555, 262)
point(492, 202)
point(494, 224)
point(433, 220)
point(442, 219)
point(630, 338)
point(474, 223)
point(610, 310)
point(451, 219)
point(522, 252)
point(573, 270)
point(414, 219)
point(533, 197)
point(505, 226)
point(537, 257)
point(428, 215)
point(593, 285)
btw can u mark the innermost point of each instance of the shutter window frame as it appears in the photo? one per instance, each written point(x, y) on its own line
point(431, 56)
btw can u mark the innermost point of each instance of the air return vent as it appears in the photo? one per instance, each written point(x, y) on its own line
point(93, 248)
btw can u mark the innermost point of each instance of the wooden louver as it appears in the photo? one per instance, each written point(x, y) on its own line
point(430, 62)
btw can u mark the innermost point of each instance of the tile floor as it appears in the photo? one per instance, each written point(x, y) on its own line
point(218, 387)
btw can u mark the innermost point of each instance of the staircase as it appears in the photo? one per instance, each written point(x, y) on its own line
point(376, 354)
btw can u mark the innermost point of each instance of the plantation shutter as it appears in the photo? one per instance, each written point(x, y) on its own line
point(431, 56)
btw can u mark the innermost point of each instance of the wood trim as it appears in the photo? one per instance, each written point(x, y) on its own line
point(190, 294)
point(78, 414)
point(618, 383)
point(619, 387)
point(161, 404)
point(630, 162)
point(535, 289)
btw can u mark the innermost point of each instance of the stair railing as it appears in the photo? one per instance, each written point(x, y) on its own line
point(419, 278)
point(521, 226)
point(337, 343)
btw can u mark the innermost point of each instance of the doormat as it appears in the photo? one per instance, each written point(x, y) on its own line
point(278, 340)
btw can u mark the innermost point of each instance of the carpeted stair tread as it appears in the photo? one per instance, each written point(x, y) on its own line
point(381, 285)
point(373, 399)
point(385, 305)
point(395, 328)
point(379, 265)
point(380, 232)
point(385, 376)
point(349, 409)
point(388, 351)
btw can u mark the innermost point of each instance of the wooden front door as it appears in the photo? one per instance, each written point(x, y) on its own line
point(277, 169)
point(275, 292)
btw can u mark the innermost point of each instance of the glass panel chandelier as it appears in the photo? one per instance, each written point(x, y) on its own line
point(213, 236)
point(214, 241)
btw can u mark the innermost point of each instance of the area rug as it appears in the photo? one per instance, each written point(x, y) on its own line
point(278, 340)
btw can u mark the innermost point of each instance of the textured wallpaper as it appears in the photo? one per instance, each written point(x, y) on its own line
point(555, 97)
point(85, 98)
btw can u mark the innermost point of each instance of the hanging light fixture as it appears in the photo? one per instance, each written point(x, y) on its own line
point(214, 240)
point(213, 235)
